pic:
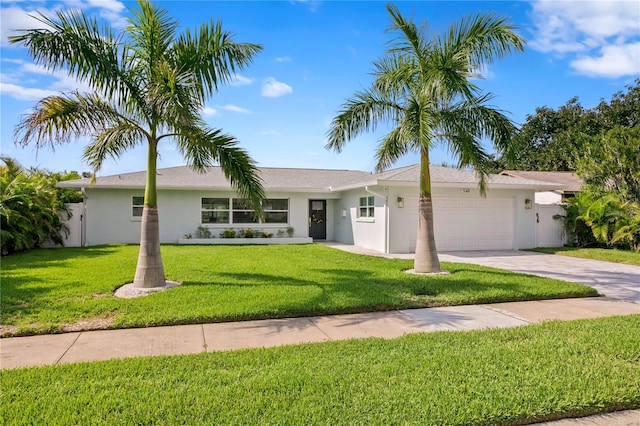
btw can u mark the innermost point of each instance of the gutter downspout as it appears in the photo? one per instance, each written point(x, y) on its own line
point(83, 218)
point(386, 215)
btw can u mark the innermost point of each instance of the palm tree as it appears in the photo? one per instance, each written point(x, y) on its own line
point(150, 85)
point(423, 88)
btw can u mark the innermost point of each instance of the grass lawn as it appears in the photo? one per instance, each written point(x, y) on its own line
point(608, 255)
point(46, 291)
point(499, 376)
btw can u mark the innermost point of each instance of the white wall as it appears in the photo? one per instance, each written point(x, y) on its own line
point(368, 233)
point(548, 197)
point(109, 220)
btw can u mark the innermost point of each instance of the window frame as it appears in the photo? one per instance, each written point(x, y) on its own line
point(135, 206)
point(202, 210)
point(369, 207)
point(232, 202)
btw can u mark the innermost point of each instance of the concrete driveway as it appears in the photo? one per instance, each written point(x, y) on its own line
point(613, 280)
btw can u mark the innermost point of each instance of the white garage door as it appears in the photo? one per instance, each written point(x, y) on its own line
point(473, 223)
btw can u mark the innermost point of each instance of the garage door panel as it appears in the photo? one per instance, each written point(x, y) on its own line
point(473, 224)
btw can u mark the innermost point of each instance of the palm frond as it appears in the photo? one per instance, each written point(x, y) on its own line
point(394, 76)
point(203, 148)
point(56, 119)
point(361, 113)
point(484, 38)
point(391, 148)
point(151, 32)
point(112, 142)
point(77, 44)
point(411, 41)
point(212, 55)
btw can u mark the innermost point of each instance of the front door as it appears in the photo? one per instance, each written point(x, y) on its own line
point(318, 219)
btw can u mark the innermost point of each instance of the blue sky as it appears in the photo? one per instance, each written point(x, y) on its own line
point(317, 54)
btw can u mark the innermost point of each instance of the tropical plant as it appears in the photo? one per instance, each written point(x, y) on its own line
point(150, 85)
point(29, 208)
point(578, 232)
point(423, 87)
point(602, 219)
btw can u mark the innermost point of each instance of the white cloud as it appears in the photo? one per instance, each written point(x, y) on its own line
point(614, 61)
point(14, 18)
point(112, 5)
point(273, 88)
point(63, 81)
point(235, 108)
point(208, 111)
point(483, 73)
point(8, 78)
point(24, 93)
point(238, 80)
point(284, 59)
point(595, 31)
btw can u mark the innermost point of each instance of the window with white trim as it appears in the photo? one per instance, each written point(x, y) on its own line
point(137, 205)
point(214, 210)
point(366, 207)
point(276, 210)
point(238, 211)
point(242, 212)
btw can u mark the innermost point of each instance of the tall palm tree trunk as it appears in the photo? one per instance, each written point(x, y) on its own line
point(150, 270)
point(426, 257)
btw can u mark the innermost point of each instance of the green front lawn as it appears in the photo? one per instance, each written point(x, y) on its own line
point(55, 290)
point(501, 376)
point(608, 255)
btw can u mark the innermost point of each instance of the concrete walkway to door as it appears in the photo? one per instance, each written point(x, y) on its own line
point(614, 280)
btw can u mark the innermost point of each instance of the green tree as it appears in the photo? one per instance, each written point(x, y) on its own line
point(611, 162)
point(550, 140)
point(29, 208)
point(423, 87)
point(67, 195)
point(150, 84)
point(623, 109)
point(559, 139)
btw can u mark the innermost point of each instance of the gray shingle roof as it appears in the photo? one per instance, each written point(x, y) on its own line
point(309, 180)
point(569, 180)
point(451, 177)
point(184, 177)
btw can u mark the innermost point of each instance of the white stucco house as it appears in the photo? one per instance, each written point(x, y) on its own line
point(374, 211)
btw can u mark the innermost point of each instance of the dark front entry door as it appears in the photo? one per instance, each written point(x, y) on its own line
point(318, 219)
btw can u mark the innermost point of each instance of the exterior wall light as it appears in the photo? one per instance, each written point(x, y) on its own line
point(528, 204)
point(400, 202)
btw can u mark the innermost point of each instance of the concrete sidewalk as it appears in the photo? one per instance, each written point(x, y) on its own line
point(55, 349)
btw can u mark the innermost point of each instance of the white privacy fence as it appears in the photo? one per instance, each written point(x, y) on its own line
point(549, 231)
point(74, 223)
